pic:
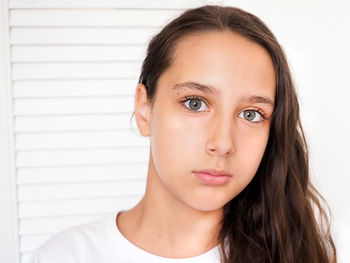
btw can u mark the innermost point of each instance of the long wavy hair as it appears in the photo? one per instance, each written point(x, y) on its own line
point(279, 217)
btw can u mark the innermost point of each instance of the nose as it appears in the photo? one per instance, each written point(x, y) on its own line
point(221, 139)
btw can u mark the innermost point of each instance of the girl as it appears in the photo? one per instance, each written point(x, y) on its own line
point(228, 176)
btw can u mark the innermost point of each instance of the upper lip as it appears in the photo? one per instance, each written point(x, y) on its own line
point(214, 172)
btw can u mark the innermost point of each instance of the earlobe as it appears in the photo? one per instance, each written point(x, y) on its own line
point(142, 110)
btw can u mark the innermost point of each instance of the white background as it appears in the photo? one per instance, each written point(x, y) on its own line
point(68, 72)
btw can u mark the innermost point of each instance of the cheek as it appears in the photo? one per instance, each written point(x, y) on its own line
point(250, 151)
point(175, 142)
point(180, 131)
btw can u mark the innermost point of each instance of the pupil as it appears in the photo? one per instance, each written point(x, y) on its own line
point(250, 115)
point(194, 104)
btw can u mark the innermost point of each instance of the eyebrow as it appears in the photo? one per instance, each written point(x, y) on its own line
point(259, 99)
point(196, 86)
point(211, 90)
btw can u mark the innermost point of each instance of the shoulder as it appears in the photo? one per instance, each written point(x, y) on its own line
point(81, 243)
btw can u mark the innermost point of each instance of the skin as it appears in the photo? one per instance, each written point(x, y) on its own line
point(179, 215)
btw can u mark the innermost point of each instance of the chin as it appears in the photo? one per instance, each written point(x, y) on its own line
point(206, 206)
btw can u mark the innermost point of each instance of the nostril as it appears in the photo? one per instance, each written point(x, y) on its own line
point(220, 150)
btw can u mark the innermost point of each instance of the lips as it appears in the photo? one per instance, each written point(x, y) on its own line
point(213, 177)
point(213, 172)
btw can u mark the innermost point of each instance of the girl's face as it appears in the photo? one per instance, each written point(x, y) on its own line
point(221, 126)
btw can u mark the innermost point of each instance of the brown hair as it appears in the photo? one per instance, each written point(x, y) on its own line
point(274, 218)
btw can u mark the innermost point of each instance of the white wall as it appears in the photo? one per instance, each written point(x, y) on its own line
point(66, 95)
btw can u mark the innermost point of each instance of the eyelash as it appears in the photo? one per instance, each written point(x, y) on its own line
point(186, 98)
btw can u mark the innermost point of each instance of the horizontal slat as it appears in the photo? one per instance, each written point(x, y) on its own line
point(35, 226)
point(76, 207)
point(74, 88)
point(57, 53)
point(45, 192)
point(74, 123)
point(82, 157)
point(82, 173)
point(103, 4)
point(27, 71)
point(71, 140)
point(82, 35)
point(91, 17)
point(23, 107)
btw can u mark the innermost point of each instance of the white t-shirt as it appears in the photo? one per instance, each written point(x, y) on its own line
point(101, 241)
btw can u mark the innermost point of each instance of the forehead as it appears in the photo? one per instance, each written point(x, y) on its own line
point(226, 38)
point(222, 59)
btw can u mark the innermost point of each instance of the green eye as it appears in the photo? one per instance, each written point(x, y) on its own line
point(251, 115)
point(194, 104)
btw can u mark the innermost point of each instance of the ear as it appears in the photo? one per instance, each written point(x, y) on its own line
point(142, 110)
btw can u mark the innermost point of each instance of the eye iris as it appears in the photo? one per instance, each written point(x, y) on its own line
point(195, 104)
point(249, 115)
